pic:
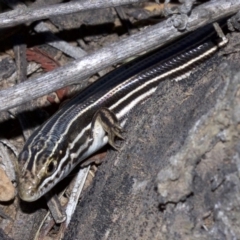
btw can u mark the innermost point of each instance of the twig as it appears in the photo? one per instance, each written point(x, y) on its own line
point(74, 52)
point(77, 189)
point(123, 18)
point(19, 16)
point(55, 207)
point(147, 39)
point(21, 64)
point(54, 41)
point(20, 58)
point(78, 185)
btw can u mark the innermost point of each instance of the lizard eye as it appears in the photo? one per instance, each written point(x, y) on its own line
point(51, 167)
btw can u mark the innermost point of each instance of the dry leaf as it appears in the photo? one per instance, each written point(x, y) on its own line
point(7, 190)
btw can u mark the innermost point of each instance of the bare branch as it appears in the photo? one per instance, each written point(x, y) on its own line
point(19, 16)
point(147, 39)
point(54, 41)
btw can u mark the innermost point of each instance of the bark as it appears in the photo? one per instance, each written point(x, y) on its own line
point(19, 16)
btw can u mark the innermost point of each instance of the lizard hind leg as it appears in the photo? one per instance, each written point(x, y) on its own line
point(110, 124)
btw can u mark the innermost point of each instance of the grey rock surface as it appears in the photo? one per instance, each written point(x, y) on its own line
point(177, 174)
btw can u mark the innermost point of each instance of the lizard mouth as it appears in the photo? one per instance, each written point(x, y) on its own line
point(27, 191)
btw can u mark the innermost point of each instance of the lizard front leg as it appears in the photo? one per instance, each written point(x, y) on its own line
point(107, 120)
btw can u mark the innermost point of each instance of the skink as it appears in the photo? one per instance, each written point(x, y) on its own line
point(97, 115)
